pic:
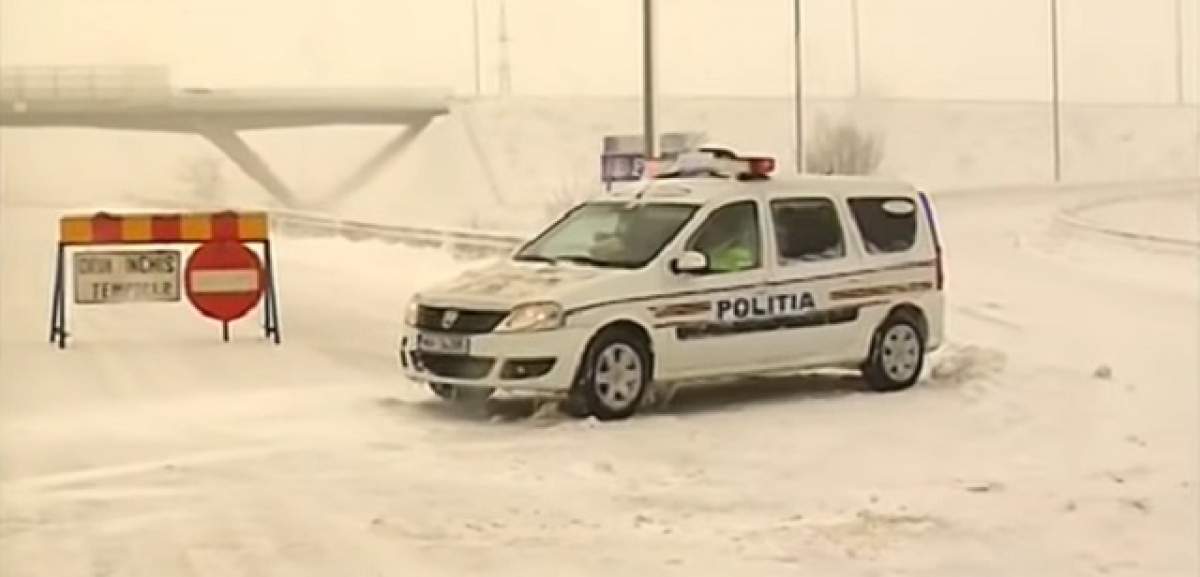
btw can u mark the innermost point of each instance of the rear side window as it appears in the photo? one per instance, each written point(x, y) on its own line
point(887, 224)
point(807, 229)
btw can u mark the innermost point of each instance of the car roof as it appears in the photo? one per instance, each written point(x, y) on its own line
point(706, 190)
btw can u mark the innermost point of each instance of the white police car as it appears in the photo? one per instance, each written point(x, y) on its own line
point(710, 269)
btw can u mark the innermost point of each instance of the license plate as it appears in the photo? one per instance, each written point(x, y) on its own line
point(444, 344)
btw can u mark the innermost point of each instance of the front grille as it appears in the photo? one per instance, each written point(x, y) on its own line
point(468, 322)
point(455, 366)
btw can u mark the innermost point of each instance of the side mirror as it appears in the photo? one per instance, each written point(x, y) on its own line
point(690, 262)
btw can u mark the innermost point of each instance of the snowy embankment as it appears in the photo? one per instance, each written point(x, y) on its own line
point(1056, 435)
point(1168, 221)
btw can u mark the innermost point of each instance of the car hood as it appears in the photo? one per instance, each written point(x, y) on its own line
point(507, 284)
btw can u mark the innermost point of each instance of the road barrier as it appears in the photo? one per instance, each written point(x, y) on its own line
point(461, 242)
point(223, 278)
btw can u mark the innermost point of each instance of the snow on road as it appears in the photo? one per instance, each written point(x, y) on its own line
point(149, 448)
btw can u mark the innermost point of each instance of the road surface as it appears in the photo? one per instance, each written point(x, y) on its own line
point(1056, 434)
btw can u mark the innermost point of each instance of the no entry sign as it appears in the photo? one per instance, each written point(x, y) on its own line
point(224, 280)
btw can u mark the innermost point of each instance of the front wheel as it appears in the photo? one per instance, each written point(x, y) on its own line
point(897, 355)
point(615, 374)
point(461, 394)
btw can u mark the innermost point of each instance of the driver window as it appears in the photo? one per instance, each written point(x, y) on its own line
point(730, 238)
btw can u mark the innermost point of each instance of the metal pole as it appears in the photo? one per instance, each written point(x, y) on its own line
point(1056, 104)
point(272, 296)
point(798, 96)
point(62, 297)
point(857, 49)
point(1179, 52)
point(268, 304)
point(475, 37)
point(651, 138)
point(57, 301)
point(505, 64)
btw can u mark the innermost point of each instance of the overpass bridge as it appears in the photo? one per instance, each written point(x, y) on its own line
point(143, 99)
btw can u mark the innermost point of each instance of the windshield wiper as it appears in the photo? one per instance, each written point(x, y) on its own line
point(587, 260)
point(571, 258)
point(535, 258)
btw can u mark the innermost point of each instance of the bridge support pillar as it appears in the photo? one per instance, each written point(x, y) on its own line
point(378, 161)
point(250, 162)
point(229, 142)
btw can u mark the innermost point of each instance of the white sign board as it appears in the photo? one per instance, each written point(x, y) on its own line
point(106, 277)
point(622, 159)
point(669, 143)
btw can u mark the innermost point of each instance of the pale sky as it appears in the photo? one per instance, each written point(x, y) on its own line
point(1112, 50)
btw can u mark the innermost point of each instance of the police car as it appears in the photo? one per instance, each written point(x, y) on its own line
point(709, 269)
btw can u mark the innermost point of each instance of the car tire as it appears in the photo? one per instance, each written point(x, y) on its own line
point(897, 355)
point(458, 394)
point(575, 405)
point(615, 373)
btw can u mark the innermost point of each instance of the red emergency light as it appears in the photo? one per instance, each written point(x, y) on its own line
point(710, 162)
point(761, 166)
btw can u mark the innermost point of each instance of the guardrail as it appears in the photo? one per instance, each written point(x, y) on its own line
point(464, 243)
point(84, 83)
point(1074, 218)
point(299, 223)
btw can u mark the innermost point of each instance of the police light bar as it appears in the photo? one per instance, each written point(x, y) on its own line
point(705, 163)
point(761, 165)
point(622, 167)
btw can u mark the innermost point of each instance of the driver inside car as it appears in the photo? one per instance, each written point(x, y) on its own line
point(730, 243)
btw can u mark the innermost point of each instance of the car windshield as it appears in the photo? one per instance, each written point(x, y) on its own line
point(609, 234)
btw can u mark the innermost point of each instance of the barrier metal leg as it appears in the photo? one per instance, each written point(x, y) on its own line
point(268, 309)
point(54, 296)
point(58, 310)
point(272, 304)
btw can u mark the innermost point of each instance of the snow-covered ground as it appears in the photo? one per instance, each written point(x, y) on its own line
point(1056, 435)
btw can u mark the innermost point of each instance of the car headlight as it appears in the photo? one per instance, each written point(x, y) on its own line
point(532, 317)
point(411, 313)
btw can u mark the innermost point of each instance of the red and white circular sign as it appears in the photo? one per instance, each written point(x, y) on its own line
point(224, 280)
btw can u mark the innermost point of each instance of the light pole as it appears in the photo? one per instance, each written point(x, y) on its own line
point(475, 37)
point(651, 144)
point(798, 96)
point(505, 71)
point(854, 19)
point(1056, 111)
point(1179, 52)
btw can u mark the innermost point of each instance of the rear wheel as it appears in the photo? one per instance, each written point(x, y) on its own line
point(615, 374)
point(461, 394)
point(897, 355)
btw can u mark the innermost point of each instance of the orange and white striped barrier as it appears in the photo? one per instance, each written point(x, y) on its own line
point(104, 228)
point(218, 289)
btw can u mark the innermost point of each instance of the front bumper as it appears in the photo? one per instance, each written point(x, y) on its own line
point(543, 361)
